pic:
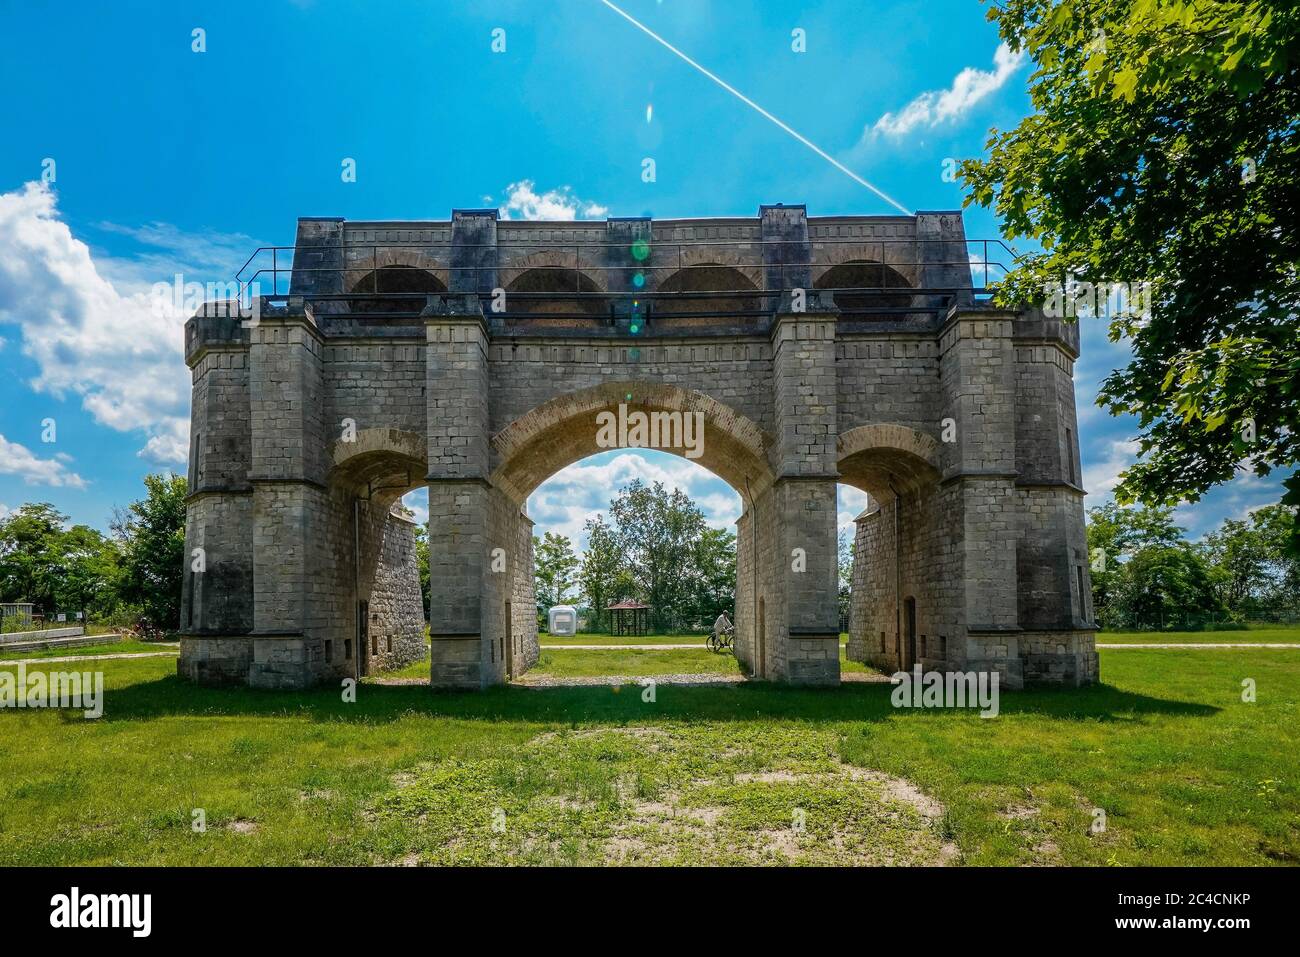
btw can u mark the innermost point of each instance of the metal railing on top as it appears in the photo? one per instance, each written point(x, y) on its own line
point(648, 267)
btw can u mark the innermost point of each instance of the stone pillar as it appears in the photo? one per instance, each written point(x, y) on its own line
point(473, 251)
point(459, 492)
point(787, 252)
point(942, 254)
point(803, 556)
point(288, 473)
point(217, 589)
point(316, 266)
point(1054, 584)
point(977, 370)
point(628, 248)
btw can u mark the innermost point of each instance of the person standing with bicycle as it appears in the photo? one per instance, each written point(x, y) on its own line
point(722, 632)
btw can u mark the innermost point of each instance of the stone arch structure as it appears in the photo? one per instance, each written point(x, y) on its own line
point(367, 259)
point(868, 275)
point(555, 261)
point(394, 278)
point(706, 275)
point(560, 312)
point(959, 423)
point(565, 429)
point(877, 457)
point(679, 260)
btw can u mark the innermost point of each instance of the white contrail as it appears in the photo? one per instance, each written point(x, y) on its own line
point(754, 106)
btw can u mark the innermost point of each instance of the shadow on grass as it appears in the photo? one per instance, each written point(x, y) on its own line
point(171, 696)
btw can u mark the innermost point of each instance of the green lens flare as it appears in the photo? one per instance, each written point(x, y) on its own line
point(640, 250)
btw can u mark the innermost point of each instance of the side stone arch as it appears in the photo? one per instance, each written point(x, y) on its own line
point(871, 457)
point(375, 459)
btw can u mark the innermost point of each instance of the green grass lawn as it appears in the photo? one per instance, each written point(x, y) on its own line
point(587, 638)
point(581, 663)
point(104, 648)
point(1185, 771)
point(577, 663)
point(1256, 633)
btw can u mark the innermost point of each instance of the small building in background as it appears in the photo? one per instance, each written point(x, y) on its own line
point(563, 620)
point(16, 614)
point(628, 618)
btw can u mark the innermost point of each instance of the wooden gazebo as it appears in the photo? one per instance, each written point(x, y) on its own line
point(628, 618)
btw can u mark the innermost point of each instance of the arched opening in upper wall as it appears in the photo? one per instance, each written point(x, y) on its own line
point(386, 281)
point(556, 297)
point(862, 287)
point(695, 309)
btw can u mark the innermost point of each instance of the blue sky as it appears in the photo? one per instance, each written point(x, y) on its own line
point(168, 160)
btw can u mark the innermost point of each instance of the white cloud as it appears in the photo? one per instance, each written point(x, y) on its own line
point(523, 200)
point(936, 107)
point(166, 250)
point(563, 503)
point(170, 445)
point(18, 460)
point(418, 502)
point(87, 336)
point(1100, 478)
point(850, 502)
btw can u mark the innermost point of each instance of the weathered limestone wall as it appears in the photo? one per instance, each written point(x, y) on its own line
point(219, 600)
point(396, 607)
point(888, 379)
point(523, 601)
point(925, 565)
point(376, 384)
point(526, 374)
point(802, 612)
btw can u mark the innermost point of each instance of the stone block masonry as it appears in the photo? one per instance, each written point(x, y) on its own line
point(956, 418)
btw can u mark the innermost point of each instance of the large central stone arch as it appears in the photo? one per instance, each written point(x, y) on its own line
point(956, 417)
point(565, 429)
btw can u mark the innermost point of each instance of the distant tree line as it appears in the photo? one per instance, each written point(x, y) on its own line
point(656, 549)
point(1146, 575)
point(132, 573)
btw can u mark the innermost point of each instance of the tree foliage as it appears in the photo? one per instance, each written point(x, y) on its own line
point(555, 566)
point(845, 566)
point(1145, 574)
point(65, 569)
point(1162, 150)
point(603, 578)
point(151, 535)
point(657, 549)
point(56, 568)
point(657, 532)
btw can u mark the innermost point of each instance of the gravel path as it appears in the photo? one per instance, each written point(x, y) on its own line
point(622, 647)
point(41, 661)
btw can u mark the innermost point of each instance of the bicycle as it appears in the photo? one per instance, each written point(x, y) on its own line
point(719, 642)
point(145, 630)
